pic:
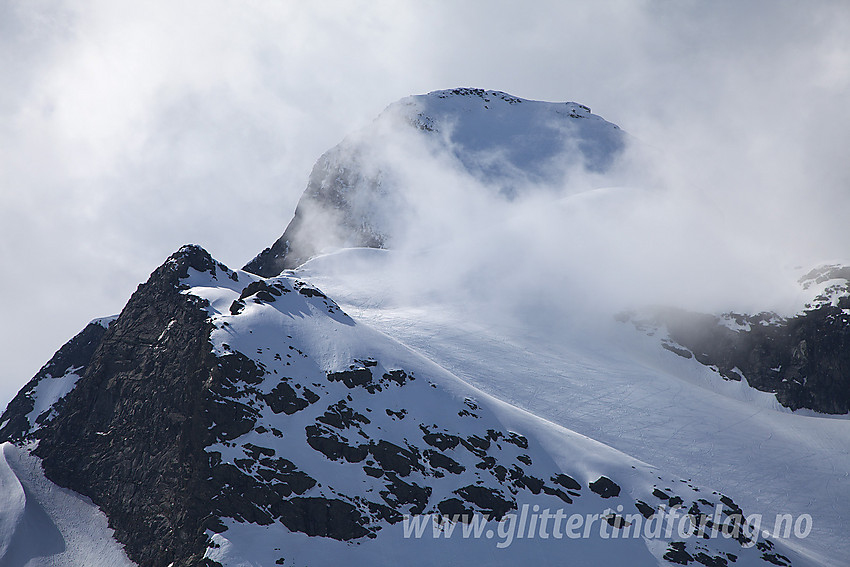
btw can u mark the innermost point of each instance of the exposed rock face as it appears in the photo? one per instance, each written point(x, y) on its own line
point(327, 216)
point(804, 360)
point(73, 358)
point(131, 434)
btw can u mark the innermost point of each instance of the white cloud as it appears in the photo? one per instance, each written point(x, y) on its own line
point(128, 128)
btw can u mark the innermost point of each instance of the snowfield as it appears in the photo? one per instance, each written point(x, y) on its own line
point(617, 386)
point(463, 357)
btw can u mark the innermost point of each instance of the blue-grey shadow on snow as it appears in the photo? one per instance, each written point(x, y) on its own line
point(36, 536)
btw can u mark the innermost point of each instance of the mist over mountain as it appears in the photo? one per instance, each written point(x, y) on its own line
point(363, 192)
point(484, 306)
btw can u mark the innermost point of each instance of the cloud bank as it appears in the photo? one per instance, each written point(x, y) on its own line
point(130, 129)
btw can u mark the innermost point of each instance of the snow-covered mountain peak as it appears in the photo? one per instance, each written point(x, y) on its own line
point(341, 412)
point(225, 418)
point(361, 191)
point(481, 106)
point(498, 136)
point(827, 284)
point(472, 100)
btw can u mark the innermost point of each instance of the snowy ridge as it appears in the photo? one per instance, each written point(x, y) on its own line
point(389, 433)
point(104, 321)
point(499, 136)
point(825, 285)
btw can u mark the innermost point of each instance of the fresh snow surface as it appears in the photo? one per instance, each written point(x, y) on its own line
point(43, 525)
point(498, 135)
point(617, 386)
point(49, 391)
point(104, 321)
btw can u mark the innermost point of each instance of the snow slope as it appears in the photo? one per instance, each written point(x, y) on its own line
point(617, 386)
point(331, 436)
point(43, 525)
point(324, 348)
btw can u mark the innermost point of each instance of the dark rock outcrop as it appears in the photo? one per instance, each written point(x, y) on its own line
point(326, 217)
point(150, 397)
point(605, 487)
point(804, 360)
point(74, 356)
point(132, 432)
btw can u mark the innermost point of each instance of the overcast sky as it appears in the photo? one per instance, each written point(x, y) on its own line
point(130, 128)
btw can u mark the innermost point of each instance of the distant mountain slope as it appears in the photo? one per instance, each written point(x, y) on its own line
point(353, 198)
point(804, 358)
point(226, 418)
